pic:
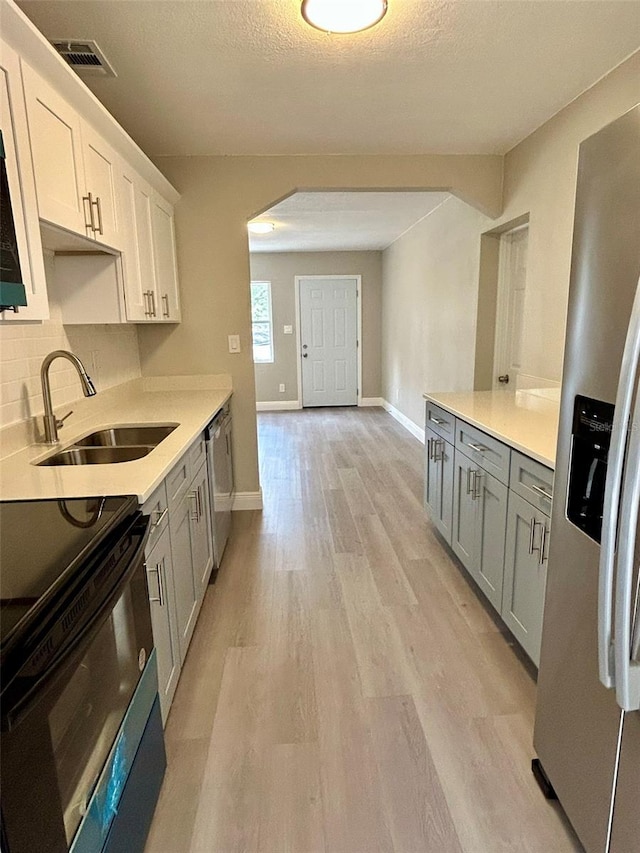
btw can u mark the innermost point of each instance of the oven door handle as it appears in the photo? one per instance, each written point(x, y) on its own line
point(73, 651)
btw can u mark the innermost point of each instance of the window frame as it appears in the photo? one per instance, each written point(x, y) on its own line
point(272, 359)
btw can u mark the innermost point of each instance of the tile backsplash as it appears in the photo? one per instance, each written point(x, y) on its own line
point(109, 353)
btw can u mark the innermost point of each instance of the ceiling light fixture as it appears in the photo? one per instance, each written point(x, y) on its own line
point(261, 227)
point(343, 16)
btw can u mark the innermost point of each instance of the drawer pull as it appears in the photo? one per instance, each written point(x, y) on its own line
point(438, 421)
point(161, 517)
point(479, 447)
point(543, 492)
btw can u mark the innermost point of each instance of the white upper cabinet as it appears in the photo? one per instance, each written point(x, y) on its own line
point(101, 166)
point(89, 183)
point(56, 147)
point(22, 191)
point(75, 169)
point(149, 256)
point(166, 268)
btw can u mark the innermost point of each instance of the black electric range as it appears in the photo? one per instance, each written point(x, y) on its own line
point(42, 544)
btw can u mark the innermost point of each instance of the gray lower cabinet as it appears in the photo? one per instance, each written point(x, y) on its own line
point(200, 532)
point(438, 492)
point(163, 619)
point(179, 560)
point(187, 595)
point(525, 573)
point(463, 535)
point(479, 525)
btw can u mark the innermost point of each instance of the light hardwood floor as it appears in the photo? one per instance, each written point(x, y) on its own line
point(346, 691)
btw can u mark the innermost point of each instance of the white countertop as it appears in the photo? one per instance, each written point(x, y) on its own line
point(525, 420)
point(186, 401)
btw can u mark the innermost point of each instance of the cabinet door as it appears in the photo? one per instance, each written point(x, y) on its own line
point(444, 515)
point(56, 147)
point(166, 269)
point(22, 190)
point(491, 497)
point(431, 478)
point(134, 210)
point(186, 594)
point(101, 166)
point(201, 540)
point(464, 537)
point(525, 573)
point(163, 619)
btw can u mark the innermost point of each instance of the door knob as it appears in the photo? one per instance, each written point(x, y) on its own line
point(304, 346)
point(504, 379)
point(305, 355)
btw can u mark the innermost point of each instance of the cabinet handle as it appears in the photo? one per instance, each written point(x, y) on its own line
point(193, 496)
point(160, 518)
point(147, 303)
point(477, 483)
point(543, 492)
point(165, 302)
point(152, 296)
point(470, 472)
point(532, 536)
point(98, 208)
point(478, 447)
point(199, 503)
point(543, 542)
point(430, 449)
point(157, 570)
point(90, 224)
point(437, 421)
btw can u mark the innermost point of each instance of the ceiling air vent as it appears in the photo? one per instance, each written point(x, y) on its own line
point(84, 56)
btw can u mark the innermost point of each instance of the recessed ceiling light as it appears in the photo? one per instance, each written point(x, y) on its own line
point(261, 227)
point(343, 16)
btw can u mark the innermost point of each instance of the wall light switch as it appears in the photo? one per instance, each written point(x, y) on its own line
point(234, 343)
point(288, 330)
point(282, 388)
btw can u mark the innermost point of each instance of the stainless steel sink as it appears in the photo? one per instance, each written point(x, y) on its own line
point(126, 436)
point(96, 455)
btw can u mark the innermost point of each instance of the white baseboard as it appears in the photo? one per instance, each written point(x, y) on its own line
point(371, 401)
point(406, 422)
point(278, 406)
point(247, 500)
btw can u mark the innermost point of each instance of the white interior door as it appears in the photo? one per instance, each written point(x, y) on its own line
point(511, 301)
point(328, 339)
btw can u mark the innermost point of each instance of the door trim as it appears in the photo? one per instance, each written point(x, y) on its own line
point(298, 279)
point(503, 319)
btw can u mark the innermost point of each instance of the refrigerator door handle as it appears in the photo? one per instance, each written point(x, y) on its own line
point(627, 670)
point(624, 397)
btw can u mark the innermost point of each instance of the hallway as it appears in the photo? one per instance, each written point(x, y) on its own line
point(346, 691)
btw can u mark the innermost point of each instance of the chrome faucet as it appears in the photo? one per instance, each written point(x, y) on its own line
point(51, 422)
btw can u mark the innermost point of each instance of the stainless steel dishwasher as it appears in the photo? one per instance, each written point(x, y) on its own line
point(220, 467)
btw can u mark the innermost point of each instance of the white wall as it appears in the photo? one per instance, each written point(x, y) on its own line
point(429, 303)
point(24, 345)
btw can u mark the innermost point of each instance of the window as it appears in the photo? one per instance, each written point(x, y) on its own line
point(261, 321)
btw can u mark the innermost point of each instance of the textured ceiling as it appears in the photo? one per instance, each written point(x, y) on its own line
point(342, 222)
point(250, 77)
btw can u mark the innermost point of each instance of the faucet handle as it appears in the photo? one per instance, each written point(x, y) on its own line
point(60, 421)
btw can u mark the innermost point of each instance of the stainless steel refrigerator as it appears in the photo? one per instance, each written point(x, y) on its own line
point(587, 731)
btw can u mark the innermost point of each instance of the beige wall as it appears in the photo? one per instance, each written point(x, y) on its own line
point(540, 179)
point(24, 345)
point(430, 276)
point(430, 291)
point(219, 195)
point(280, 269)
